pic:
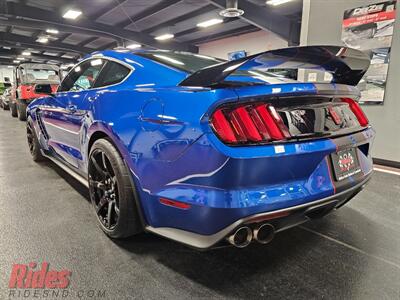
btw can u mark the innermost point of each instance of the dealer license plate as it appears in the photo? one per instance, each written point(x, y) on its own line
point(345, 163)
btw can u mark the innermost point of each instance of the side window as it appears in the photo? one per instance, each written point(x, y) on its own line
point(83, 76)
point(112, 73)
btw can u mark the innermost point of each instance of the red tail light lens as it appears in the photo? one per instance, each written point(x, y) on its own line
point(356, 109)
point(222, 126)
point(249, 124)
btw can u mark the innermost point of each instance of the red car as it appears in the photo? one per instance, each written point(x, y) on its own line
point(26, 76)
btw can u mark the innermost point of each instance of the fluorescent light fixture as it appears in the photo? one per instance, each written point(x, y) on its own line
point(133, 46)
point(51, 30)
point(21, 58)
point(277, 2)
point(164, 37)
point(77, 69)
point(210, 23)
point(167, 58)
point(42, 40)
point(26, 53)
point(96, 62)
point(72, 14)
point(10, 67)
point(7, 48)
point(16, 61)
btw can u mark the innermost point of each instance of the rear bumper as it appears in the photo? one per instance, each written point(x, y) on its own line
point(293, 216)
point(223, 185)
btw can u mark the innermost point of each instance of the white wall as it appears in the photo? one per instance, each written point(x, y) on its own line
point(252, 43)
point(320, 27)
point(5, 72)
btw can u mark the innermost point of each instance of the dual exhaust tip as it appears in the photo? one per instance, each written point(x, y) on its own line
point(243, 236)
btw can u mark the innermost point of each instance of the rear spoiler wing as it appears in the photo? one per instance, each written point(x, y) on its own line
point(346, 65)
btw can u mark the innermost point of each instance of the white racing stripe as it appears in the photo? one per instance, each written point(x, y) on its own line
point(387, 171)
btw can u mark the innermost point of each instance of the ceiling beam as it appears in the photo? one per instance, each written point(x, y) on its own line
point(196, 29)
point(263, 18)
point(14, 54)
point(115, 4)
point(152, 10)
point(87, 41)
point(14, 39)
point(24, 15)
point(225, 34)
point(170, 23)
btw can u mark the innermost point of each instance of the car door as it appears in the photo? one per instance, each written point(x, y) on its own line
point(65, 112)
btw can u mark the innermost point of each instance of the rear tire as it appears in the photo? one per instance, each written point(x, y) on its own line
point(33, 142)
point(111, 191)
point(13, 109)
point(21, 107)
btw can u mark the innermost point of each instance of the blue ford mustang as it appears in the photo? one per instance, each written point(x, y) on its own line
point(205, 151)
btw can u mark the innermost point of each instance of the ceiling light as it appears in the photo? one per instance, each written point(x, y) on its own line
point(7, 48)
point(27, 53)
point(50, 30)
point(232, 10)
point(21, 58)
point(72, 14)
point(10, 67)
point(42, 40)
point(276, 2)
point(210, 23)
point(16, 61)
point(164, 37)
point(133, 46)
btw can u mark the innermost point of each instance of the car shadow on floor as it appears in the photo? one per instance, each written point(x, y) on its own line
point(295, 260)
point(296, 263)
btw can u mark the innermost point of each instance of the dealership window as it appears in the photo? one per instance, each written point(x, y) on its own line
point(112, 73)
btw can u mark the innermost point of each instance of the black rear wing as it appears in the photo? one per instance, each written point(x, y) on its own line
point(346, 65)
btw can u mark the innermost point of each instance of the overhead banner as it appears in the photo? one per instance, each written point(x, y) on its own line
point(370, 28)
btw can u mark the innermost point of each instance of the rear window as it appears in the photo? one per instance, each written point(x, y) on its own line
point(190, 62)
point(112, 73)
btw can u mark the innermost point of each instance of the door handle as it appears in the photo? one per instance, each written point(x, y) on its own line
point(72, 108)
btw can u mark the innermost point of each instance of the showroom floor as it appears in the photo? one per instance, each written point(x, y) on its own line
point(46, 216)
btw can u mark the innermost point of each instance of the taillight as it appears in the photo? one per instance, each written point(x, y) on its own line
point(249, 124)
point(356, 109)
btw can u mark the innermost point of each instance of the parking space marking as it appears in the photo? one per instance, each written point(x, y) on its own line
point(351, 247)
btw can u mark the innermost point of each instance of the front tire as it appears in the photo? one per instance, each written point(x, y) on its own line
point(21, 107)
point(111, 191)
point(13, 109)
point(33, 142)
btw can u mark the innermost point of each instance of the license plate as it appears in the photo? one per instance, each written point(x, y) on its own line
point(345, 163)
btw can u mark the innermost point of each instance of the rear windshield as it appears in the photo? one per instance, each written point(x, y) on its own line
point(190, 62)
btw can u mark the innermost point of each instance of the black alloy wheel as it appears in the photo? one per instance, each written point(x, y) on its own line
point(111, 191)
point(104, 189)
point(33, 143)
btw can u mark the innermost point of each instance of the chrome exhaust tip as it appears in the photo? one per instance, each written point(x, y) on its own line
point(264, 233)
point(241, 237)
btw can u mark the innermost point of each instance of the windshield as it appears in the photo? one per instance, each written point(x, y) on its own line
point(190, 62)
point(32, 75)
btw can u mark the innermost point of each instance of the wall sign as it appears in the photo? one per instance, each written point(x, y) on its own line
point(370, 28)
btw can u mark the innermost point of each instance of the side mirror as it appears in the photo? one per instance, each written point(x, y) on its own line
point(43, 89)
